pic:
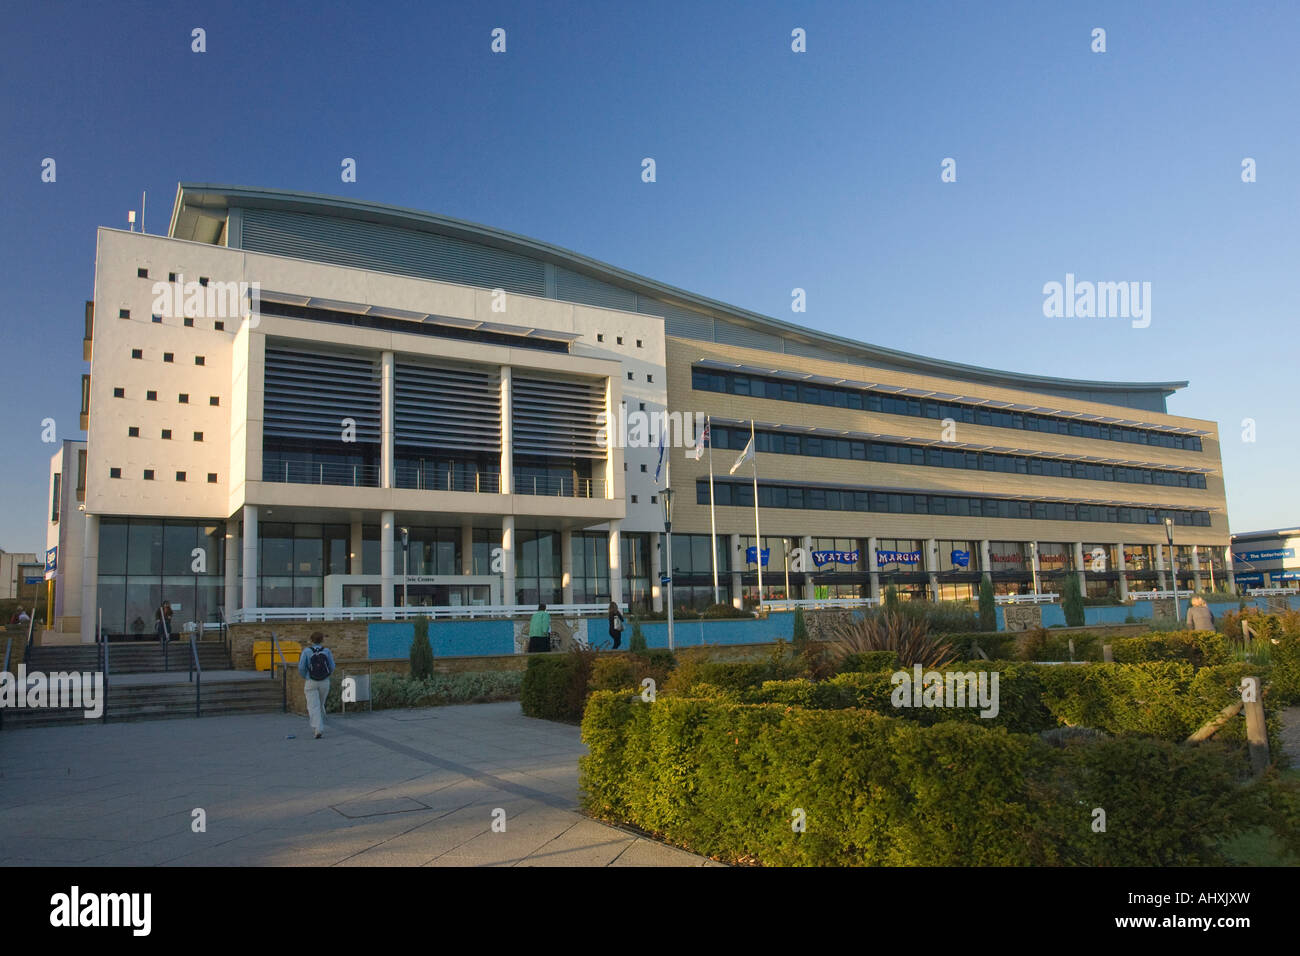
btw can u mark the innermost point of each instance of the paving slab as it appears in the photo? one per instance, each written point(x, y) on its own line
point(388, 788)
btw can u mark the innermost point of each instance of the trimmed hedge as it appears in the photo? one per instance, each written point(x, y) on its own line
point(1202, 648)
point(1285, 675)
point(555, 686)
point(695, 667)
point(727, 779)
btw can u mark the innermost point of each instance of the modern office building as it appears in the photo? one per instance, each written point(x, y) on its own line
point(286, 387)
point(1267, 559)
point(20, 576)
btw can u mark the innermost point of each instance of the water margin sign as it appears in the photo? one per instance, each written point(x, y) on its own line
point(898, 557)
point(749, 555)
point(821, 558)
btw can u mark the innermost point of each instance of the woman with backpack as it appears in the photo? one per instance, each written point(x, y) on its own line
point(616, 621)
point(315, 667)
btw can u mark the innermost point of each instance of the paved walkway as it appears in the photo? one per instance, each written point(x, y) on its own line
point(396, 787)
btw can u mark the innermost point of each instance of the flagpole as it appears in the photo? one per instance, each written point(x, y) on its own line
point(713, 520)
point(758, 535)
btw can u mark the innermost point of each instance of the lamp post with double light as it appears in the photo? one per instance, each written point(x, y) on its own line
point(1173, 563)
point(666, 496)
point(406, 551)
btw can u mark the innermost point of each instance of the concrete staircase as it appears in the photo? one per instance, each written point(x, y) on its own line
point(139, 689)
point(128, 657)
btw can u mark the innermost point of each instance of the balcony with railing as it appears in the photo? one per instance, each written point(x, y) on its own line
point(559, 486)
point(426, 476)
point(288, 471)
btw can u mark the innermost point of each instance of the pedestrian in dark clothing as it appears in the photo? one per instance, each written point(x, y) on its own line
point(616, 621)
point(162, 622)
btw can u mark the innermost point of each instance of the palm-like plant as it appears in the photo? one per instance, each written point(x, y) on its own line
point(888, 630)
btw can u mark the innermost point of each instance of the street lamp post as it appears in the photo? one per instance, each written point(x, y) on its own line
point(1173, 563)
point(666, 496)
point(406, 551)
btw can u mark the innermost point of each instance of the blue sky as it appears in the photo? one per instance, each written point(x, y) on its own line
point(775, 170)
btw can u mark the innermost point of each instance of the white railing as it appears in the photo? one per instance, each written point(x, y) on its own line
point(1269, 592)
point(816, 604)
point(1026, 598)
point(1153, 595)
point(479, 611)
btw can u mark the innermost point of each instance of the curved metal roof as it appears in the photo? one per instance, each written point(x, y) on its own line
point(193, 200)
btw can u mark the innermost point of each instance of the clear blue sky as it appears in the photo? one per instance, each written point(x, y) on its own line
point(775, 170)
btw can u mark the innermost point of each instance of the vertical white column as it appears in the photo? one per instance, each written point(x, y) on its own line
point(1080, 569)
point(1160, 567)
point(986, 561)
point(508, 596)
point(386, 596)
point(616, 561)
point(806, 543)
point(89, 582)
point(249, 546)
point(1227, 567)
point(566, 565)
point(231, 603)
point(873, 566)
point(467, 549)
point(1123, 568)
point(356, 545)
point(1196, 568)
point(386, 454)
point(932, 565)
point(656, 568)
point(737, 583)
point(507, 451)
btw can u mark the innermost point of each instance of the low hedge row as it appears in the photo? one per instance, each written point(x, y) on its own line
point(555, 686)
point(729, 780)
point(1202, 648)
point(1168, 700)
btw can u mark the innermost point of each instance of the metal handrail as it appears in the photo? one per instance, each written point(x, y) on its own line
point(196, 669)
point(166, 639)
point(224, 628)
point(103, 651)
point(284, 672)
point(31, 633)
point(5, 670)
point(474, 611)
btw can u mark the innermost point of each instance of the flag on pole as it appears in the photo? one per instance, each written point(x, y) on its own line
point(698, 451)
point(660, 467)
point(746, 455)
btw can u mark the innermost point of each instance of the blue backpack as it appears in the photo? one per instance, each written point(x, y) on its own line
point(318, 666)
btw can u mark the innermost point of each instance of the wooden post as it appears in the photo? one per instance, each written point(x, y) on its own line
point(1211, 728)
point(1071, 642)
point(1107, 654)
point(1256, 733)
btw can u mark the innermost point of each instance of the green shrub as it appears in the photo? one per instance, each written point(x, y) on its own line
point(869, 662)
point(1072, 602)
point(388, 690)
point(555, 686)
point(1164, 622)
point(988, 606)
point(1201, 648)
point(636, 642)
point(626, 671)
point(1285, 676)
point(800, 637)
point(694, 666)
point(726, 779)
point(421, 651)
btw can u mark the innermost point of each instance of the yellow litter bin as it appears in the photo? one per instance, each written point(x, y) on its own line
point(263, 653)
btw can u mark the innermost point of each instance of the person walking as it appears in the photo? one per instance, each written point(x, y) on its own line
point(1199, 616)
point(162, 622)
point(315, 666)
point(616, 621)
point(539, 631)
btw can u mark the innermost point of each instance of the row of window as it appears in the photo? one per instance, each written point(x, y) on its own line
point(133, 431)
point(758, 386)
point(843, 499)
point(188, 321)
point(152, 396)
point(143, 273)
point(167, 356)
point(149, 475)
point(854, 449)
point(600, 337)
